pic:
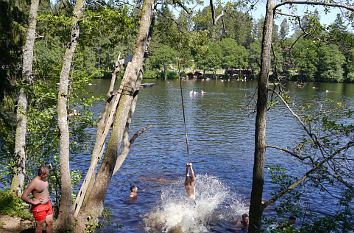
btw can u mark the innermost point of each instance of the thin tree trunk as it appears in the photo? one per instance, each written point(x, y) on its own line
point(65, 215)
point(21, 128)
point(126, 143)
point(93, 207)
point(20, 143)
point(103, 126)
point(256, 209)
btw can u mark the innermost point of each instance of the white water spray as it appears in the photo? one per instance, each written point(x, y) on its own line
point(175, 212)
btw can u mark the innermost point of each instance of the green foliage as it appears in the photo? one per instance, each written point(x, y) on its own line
point(172, 75)
point(289, 204)
point(210, 57)
point(233, 55)
point(327, 138)
point(330, 63)
point(162, 57)
point(150, 74)
point(306, 58)
point(65, 229)
point(13, 206)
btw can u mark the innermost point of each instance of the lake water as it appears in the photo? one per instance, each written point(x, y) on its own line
point(220, 127)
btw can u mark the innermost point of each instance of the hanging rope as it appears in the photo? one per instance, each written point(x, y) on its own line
point(184, 116)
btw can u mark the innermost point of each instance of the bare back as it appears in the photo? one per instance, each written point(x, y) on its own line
point(39, 190)
point(190, 187)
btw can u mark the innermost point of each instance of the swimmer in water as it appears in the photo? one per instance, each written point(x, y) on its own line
point(243, 224)
point(160, 180)
point(133, 193)
point(189, 183)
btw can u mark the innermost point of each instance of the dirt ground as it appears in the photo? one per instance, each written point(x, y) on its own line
point(15, 224)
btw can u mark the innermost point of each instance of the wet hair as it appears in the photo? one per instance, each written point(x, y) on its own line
point(132, 187)
point(292, 217)
point(244, 216)
point(43, 170)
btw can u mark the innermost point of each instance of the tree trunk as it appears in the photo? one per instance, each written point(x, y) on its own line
point(103, 126)
point(65, 216)
point(93, 207)
point(21, 128)
point(256, 209)
point(20, 143)
point(126, 143)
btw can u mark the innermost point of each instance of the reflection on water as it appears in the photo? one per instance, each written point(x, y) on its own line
point(221, 136)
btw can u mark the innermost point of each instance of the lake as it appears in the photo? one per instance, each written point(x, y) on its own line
point(220, 126)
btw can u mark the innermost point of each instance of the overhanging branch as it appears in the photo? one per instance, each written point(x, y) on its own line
point(315, 3)
point(299, 181)
point(289, 152)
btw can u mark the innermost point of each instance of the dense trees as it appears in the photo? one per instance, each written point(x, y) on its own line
point(298, 44)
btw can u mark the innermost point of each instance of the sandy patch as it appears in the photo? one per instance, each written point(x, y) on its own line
point(14, 224)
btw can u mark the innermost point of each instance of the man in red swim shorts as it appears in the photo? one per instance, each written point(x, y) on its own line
point(41, 206)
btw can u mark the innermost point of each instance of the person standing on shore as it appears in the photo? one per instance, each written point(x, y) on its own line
point(41, 206)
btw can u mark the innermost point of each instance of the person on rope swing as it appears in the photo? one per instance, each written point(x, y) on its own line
point(41, 206)
point(189, 183)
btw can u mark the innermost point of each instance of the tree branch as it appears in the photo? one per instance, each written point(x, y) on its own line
point(315, 3)
point(188, 11)
point(212, 12)
point(219, 16)
point(340, 179)
point(289, 152)
point(299, 181)
point(126, 148)
point(299, 22)
point(308, 131)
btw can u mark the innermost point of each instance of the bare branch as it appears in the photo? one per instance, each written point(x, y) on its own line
point(188, 11)
point(315, 3)
point(289, 152)
point(340, 179)
point(308, 131)
point(114, 76)
point(299, 22)
point(219, 16)
point(126, 148)
point(299, 181)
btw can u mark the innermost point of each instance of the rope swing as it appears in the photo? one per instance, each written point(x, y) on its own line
point(184, 116)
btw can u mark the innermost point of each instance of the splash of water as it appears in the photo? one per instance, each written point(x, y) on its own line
point(176, 213)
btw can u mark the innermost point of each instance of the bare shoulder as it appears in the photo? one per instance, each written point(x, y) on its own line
point(34, 183)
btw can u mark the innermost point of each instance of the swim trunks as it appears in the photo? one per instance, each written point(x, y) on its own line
point(40, 212)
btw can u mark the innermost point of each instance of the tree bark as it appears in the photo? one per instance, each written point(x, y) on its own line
point(256, 209)
point(103, 126)
point(93, 207)
point(65, 215)
point(21, 128)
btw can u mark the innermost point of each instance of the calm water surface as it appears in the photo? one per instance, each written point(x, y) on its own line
point(220, 128)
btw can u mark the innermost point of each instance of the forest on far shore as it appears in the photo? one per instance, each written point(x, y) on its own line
point(302, 49)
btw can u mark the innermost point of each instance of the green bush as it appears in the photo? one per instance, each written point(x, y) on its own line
point(13, 206)
point(172, 75)
point(150, 74)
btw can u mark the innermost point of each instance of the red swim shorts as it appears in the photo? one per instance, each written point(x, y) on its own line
point(40, 212)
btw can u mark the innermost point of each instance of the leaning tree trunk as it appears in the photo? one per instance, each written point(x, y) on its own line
point(103, 126)
point(65, 215)
point(93, 206)
point(21, 128)
point(256, 209)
